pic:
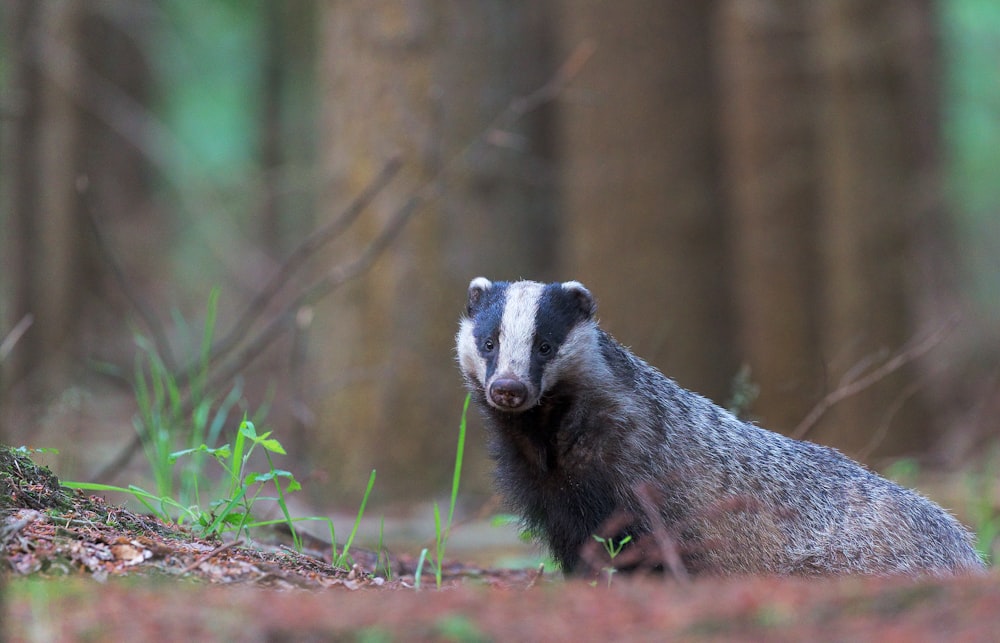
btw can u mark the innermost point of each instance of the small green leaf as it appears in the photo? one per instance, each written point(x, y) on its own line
point(253, 478)
point(247, 429)
point(235, 518)
point(273, 446)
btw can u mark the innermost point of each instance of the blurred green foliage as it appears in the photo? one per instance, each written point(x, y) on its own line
point(208, 66)
point(971, 40)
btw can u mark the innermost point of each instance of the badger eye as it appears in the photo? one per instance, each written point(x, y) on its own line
point(488, 345)
point(544, 349)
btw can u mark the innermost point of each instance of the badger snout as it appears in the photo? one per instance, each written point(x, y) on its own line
point(508, 393)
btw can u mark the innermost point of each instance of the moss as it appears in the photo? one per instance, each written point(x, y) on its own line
point(25, 485)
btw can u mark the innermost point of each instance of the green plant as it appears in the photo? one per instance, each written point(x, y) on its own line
point(233, 510)
point(905, 471)
point(443, 531)
point(419, 573)
point(382, 555)
point(981, 485)
point(343, 559)
point(743, 394)
point(244, 488)
point(179, 411)
point(173, 412)
point(613, 549)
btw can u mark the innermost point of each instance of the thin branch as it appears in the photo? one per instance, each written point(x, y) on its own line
point(336, 277)
point(131, 293)
point(536, 576)
point(320, 237)
point(883, 429)
point(549, 91)
point(203, 559)
point(15, 334)
point(670, 555)
point(851, 388)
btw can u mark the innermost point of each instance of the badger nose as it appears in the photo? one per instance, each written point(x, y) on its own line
point(508, 392)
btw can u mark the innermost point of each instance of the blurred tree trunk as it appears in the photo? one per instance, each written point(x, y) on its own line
point(422, 80)
point(287, 156)
point(828, 157)
point(872, 170)
point(74, 144)
point(288, 123)
point(642, 221)
point(45, 253)
point(770, 120)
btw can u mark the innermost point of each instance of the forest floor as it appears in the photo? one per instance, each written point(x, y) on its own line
point(77, 568)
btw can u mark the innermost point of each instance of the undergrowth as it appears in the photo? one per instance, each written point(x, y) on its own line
point(180, 424)
point(984, 504)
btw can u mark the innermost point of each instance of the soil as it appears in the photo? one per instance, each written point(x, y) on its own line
point(77, 568)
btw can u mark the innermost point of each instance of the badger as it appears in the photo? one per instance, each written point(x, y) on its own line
point(588, 437)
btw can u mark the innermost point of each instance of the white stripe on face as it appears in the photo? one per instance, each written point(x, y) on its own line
point(517, 329)
point(468, 353)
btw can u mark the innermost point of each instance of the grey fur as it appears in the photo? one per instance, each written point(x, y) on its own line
point(578, 431)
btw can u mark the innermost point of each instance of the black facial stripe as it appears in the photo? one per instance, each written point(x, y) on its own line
point(558, 312)
point(488, 314)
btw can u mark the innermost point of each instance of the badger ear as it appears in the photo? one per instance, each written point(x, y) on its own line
point(582, 296)
point(477, 287)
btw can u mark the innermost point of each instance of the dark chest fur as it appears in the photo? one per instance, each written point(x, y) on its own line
point(551, 468)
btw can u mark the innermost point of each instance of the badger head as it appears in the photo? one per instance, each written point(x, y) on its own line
point(519, 339)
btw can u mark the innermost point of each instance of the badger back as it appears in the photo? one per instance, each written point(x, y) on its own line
point(518, 339)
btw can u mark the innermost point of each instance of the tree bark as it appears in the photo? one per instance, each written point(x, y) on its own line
point(44, 239)
point(642, 220)
point(871, 175)
point(423, 80)
point(769, 94)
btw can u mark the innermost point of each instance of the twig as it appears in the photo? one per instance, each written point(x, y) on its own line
point(849, 389)
point(320, 237)
point(335, 278)
point(131, 293)
point(883, 427)
point(549, 91)
point(218, 550)
point(536, 576)
point(15, 334)
point(669, 551)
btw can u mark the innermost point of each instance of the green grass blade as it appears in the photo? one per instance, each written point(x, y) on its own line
point(459, 456)
point(206, 338)
point(420, 568)
point(357, 519)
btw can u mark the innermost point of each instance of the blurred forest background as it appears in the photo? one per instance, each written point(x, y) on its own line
point(793, 198)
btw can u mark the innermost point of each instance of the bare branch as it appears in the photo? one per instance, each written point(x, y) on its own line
point(132, 294)
point(320, 237)
point(549, 91)
point(890, 366)
point(336, 277)
point(879, 434)
point(15, 334)
point(670, 555)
